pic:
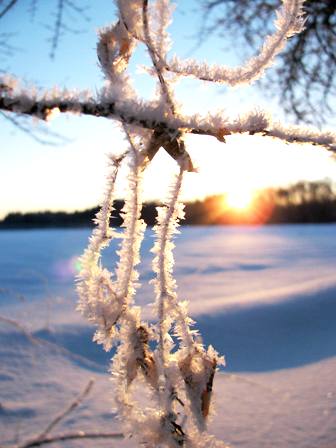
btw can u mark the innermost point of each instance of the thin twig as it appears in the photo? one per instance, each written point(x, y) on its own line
point(39, 341)
point(67, 410)
point(12, 293)
point(43, 438)
point(20, 327)
point(58, 27)
point(155, 60)
point(7, 8)
point(71, 436)
point(59, 139)
point(60, 24)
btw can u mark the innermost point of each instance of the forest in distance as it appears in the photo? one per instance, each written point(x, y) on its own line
point(303, 202)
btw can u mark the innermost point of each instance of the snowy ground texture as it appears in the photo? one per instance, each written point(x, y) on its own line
point(264, 297)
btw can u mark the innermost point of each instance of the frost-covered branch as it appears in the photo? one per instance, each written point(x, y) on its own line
point(129, 253)
point(96, 290)
point(304, 81)
point(176, 370)
point(169, 309)
point(191, 363)
point(289, 21)
point(164, 86)
point(114, 49)
point(151, 116)
point(166, 298)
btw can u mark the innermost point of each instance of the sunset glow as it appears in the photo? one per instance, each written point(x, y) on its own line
point(238, 198)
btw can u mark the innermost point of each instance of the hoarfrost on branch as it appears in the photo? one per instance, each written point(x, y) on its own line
point(168, 356)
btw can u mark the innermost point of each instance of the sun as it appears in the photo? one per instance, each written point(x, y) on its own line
point(239, 198)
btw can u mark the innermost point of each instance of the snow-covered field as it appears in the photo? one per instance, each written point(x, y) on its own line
point(264, 297)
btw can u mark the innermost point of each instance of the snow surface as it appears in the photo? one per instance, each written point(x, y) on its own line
point(264, 297)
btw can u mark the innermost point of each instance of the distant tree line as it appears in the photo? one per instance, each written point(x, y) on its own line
point(304, 202)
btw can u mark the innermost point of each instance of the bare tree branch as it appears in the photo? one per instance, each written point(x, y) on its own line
point(62, 17)
point(57, 27)
point(78, 435)
point(305, 79)
point(40, 134)
point(151, 117)
point(45, 439)
point(65, 12)
point(7, 8)
point(66, 411)
point(20, 327)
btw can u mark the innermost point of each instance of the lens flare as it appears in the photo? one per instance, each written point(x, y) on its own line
point(67, 268)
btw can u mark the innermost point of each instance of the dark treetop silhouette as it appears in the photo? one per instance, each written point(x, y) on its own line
point(304, 80)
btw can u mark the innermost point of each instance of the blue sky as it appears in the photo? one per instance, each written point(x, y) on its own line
point(71, 175)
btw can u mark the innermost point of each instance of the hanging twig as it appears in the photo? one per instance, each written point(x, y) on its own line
point(156, 63)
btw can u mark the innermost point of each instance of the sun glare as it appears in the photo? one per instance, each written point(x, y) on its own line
point(238, 199)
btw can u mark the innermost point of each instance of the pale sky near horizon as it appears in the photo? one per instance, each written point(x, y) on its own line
point(71, 175)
